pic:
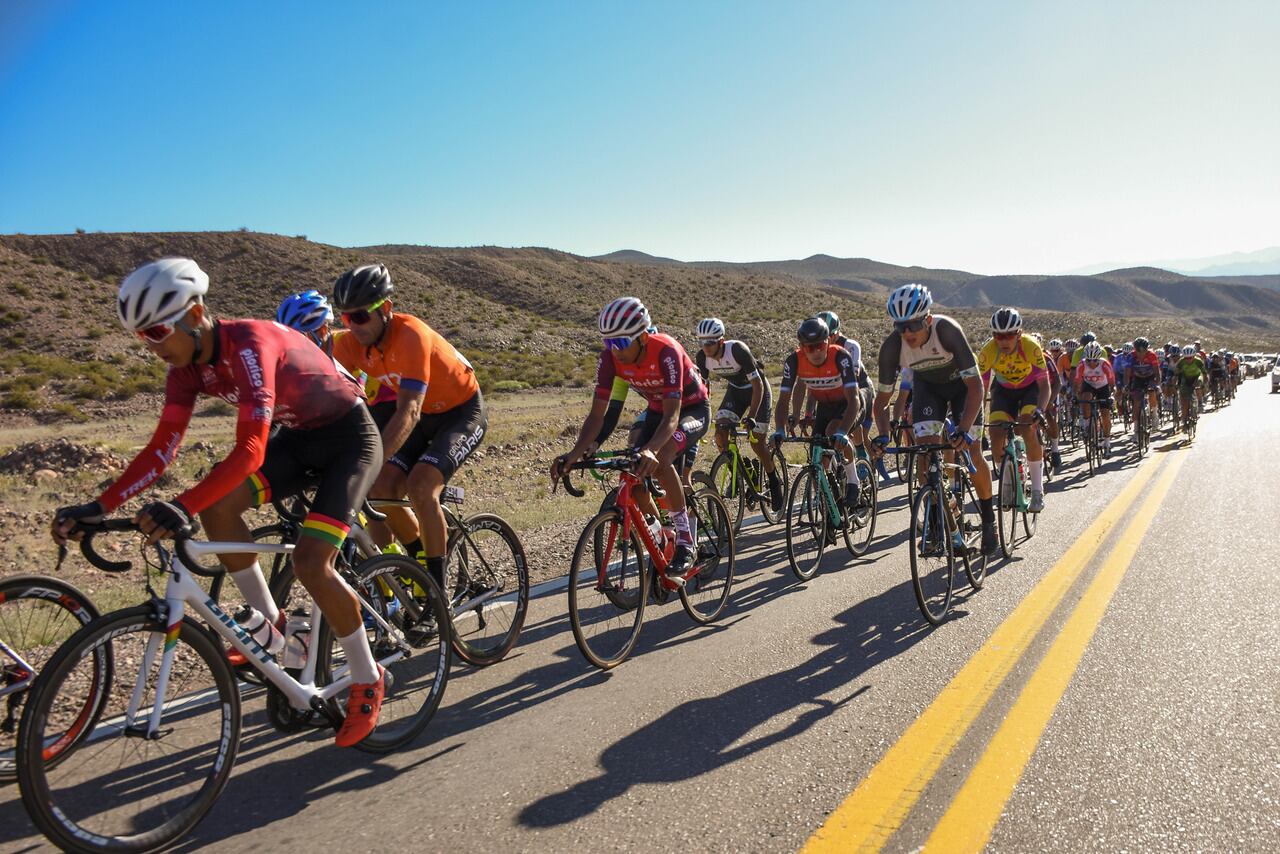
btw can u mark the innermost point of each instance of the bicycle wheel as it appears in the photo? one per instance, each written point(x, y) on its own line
point(730, 487)
point(1029, 519)
point(970, 527)
point(1006, 504)
point(932, 556)
point(37, 615)
point(407, 624)
point(489, 589)
point(860, 524)
point(705, 594)
point(806, 525)
point(607, 590)
point(770, 515)
point(120, 789)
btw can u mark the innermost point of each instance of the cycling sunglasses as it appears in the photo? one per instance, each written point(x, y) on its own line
point(361, 316)
point(156, 334)
point(620, 342)
point(909, 325)
point(1006, 336)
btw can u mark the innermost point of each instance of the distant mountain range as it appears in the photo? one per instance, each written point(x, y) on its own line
point(1136, 291)
point(1264, 262)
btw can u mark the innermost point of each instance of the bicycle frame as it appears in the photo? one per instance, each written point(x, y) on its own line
point(633, 519)
point(182, 591)
point(22, 684)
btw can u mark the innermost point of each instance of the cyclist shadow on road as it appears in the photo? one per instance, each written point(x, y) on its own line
point(699, 736)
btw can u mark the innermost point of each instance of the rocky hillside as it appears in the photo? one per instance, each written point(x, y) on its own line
point(525, 316)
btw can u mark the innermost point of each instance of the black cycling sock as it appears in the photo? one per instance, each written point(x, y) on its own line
point(435, 566)
point(414, 547)
point(988, 511)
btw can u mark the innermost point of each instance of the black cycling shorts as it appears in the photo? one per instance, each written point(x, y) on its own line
point(735, 402)
point(1009, 403)
point(933, 403)
point(382, 413)
point(339, 460)
point(1143, 383)
point(1101, 396)
point(690, 428)
point(826, 413)
point(444, 439)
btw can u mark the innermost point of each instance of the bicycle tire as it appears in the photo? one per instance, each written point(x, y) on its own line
point(419, 620)
point(934, 605)
point(479, 648)
point(860, 525)
point(806, 518)
point(1006, 505)
point(970, 522)
point(620, 602)
point(771, 516)
point(35, 641)
point(705, 594)
point(57, 813)
point(731, 488)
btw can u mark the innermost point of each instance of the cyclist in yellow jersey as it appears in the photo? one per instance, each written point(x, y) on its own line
point(1012, 364)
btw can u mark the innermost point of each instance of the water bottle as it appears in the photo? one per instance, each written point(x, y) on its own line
point(297, 637)
point(256, 625)
point(1020, 453)
point(668, 542)
point(654, 524)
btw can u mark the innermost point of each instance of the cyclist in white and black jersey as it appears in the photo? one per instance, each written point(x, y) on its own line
point(747, 399)
point(945, 381)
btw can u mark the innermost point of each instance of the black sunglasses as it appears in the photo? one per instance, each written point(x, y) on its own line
point(909, 325)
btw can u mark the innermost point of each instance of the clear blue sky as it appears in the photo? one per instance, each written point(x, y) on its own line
point(989, 136)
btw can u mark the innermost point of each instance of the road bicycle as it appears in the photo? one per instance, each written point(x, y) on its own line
point(743, 482)
point(1091, 431)
point(609, 576)
point(486, 579)
point(37, 614)
point(156, 754)
point(1013, 490)
point(816, 506)
point(946, 530)
point(1141, 422)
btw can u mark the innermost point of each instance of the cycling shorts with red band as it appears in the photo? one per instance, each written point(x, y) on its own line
point(826, 382)
point(412, 356)
point(272, 373)
point(664, 371)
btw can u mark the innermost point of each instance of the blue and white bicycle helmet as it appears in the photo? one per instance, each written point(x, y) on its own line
point(909, 302)
point(305, 312)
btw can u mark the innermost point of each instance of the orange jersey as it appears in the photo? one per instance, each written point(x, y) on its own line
point(412, 356)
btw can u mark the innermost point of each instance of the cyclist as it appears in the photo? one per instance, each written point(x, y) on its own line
point(1218, 374)
point(438, 418)
point(747, 399)
point(1142, 374)
point(1013, 368)
point(1055, 392)
point(1190, 371)
point(657, 366)
point(944, 380)
point(862, 430)
point(1094, 381)
point(275, 376)
point(826, 370)
point(310, 313)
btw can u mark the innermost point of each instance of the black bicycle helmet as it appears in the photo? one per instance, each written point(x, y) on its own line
point(813, 330)
point(362, 287)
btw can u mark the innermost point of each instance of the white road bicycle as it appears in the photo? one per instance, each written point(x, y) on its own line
point(160, 747)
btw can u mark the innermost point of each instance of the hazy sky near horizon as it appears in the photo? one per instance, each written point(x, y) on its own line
point(987, 136)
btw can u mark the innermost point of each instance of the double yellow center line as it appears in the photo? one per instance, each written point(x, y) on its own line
point(881, 803)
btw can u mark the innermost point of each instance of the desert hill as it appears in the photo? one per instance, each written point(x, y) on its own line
point(526, 317)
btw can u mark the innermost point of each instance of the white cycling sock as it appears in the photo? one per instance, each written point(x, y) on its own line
point(1037, 475)
point(359, 657)
point(253, 587)
point(851, 473)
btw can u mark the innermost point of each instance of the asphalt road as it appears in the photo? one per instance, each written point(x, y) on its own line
point(1114, 687)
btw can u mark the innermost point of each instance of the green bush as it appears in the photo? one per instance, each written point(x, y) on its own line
point(21, 399)
point(509, 385)
point(70, 411)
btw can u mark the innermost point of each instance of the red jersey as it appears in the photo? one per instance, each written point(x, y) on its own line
point(663, 371)
point(826, 382)
point(272, 373)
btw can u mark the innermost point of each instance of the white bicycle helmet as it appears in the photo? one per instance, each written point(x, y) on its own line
point(1006, 320)
point(710, 329)
point(1093, 350)
point(909, 302)
point(1055, 343)
point(625, 316)
point(160, 292)
point(1189, 350)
